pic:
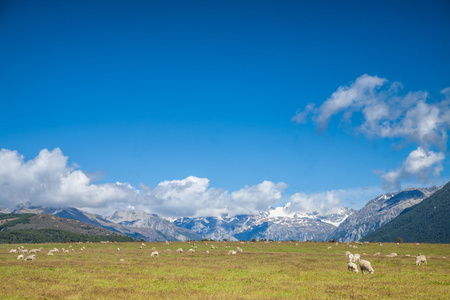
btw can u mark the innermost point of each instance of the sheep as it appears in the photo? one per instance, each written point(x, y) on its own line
point(352, 267)
point(191, 250)
point(351, 257)
point(238, 249)
point(20, 257)
point(30, 257)
point(408, 255)
point(13, 251)
point(180, 250)
point(118, 249)
point(347, 253)
point(392, 255)
point(356, 257)
point(420, 259)
point(329, 247)
point(207, 251)
point(377, 254)
point(143, 245)
point(365, 266)
point(50, 253)
point(154, 254)
point(153, 248)
point(232, 252)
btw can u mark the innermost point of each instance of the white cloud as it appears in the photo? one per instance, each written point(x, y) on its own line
point(47, 180)
point(325, 202)
point(387, 114)
point(419, 163)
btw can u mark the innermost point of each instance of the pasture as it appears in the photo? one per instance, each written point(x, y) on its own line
point(262, 271)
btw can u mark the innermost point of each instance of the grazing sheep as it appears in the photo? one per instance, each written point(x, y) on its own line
point(191, 250)
point(329, 247)
point(356, 257)
point(20, 257)
point(420, 259)
point(232, 252)
point(154, 254)
point(50, 253)
point(153, 248)
point(238, 249)
point(392, 255)
point(337, 243)
point(352, 267)
point(118, 249)
point(207, 252)
point(377, 254)
point(30, 257)
point(122, 259)
point(347, 253)
point(408, 255)
point(13, 251)
point(180, 250)
point(417, 244)
point(351, 257)
point(143, 245)
point(365, 266)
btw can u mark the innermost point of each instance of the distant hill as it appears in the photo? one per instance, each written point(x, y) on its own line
point(42, 228)
point(426, 222)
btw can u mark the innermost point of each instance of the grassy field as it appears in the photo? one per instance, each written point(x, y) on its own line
point(262, 271)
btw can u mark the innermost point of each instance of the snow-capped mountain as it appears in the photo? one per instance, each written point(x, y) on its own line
point(278, 223)
point(378, 212)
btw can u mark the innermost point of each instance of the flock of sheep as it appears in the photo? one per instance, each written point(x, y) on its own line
point(366, 266)
point(353, 259)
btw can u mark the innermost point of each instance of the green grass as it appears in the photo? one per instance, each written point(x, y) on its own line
point(262, 271)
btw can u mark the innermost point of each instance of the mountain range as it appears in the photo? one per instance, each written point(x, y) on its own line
point(278, 223)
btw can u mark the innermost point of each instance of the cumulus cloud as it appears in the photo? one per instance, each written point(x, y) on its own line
point(47, 180)
point(419, 163)
point(388, 114)
point(325, 202)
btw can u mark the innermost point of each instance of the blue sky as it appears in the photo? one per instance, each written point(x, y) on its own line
point(146, 92)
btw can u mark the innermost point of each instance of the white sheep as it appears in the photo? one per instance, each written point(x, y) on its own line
point(232, 252)
point(420, 259)
point(352, 267)
point(377, 254)
point(20, 257)
point(392, 255)
point(30, 257)
point(329, 247)
point(351, 257)
point(347, 253)
point(50, 253)
point(207, 251)
point(118, 249)
point(356, 257)
point(191, 250)
point(365, 266)
point(238, 249)
point(154, 254)
point(180, 250)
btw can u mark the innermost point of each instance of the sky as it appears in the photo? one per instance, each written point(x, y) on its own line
point(194, 108)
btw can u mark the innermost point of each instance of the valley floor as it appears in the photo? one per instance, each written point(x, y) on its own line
point(260, 271)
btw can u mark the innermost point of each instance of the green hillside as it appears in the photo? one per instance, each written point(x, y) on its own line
point(32, 228)
point(426, 222)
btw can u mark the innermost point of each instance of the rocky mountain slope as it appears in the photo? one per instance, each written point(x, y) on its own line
point(146, 233)
point(426, 222)
point(378, 212)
